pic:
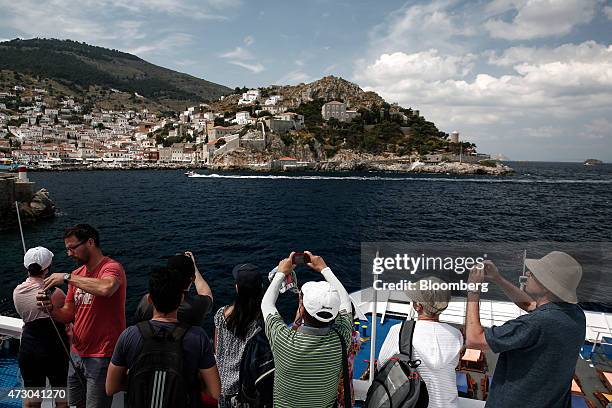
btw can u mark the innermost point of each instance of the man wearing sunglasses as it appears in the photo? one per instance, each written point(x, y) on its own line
point(538, 350)
point(96, 304)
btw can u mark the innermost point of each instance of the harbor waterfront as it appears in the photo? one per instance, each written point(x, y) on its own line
point(226, 218)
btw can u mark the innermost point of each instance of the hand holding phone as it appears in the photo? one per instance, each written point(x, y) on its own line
point(300, 258)
point(43, 299)
point(315, 262)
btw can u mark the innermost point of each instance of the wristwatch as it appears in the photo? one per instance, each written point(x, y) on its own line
point(67, 278)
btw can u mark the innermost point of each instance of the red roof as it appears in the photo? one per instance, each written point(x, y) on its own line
point(287, 158)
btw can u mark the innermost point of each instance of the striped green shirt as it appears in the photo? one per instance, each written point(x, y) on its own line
point(307, 367)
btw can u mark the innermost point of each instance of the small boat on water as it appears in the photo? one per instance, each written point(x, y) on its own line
point(190, 173)
point(592, 162)
point(7, 165)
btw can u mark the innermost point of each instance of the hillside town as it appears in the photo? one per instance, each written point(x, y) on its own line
point(47, 132)
point(44, 131)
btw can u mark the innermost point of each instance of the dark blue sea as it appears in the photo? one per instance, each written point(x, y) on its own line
point(146, 216)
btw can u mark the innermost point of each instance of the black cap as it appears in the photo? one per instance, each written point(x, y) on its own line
point(247, 274)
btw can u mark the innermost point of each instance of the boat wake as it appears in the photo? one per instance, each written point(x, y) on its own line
point(380, 178)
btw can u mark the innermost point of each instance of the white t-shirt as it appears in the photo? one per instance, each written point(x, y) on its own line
point(438, 346)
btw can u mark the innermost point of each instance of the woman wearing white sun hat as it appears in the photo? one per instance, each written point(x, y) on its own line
point(41, 354)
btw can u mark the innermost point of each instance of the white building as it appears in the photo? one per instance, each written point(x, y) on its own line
point(273, 100)
point(243, 118)
point(454, 137)
point(249, 97)
point(273, 109)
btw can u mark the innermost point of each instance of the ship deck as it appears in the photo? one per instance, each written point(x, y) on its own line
point(586, 368)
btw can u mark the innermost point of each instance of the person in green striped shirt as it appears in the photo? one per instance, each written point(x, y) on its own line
point(308, 361)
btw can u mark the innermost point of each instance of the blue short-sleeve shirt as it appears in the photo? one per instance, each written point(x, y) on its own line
point(538, 354)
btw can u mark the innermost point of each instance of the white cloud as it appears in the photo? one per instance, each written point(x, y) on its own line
point(545, 93)
point(600, 128)
point(294, 77)
point(541, 78)
point(161, 46)
point(109, 23)
point(587, 52)
point(422, 26)
point(248, 40)
point(539, 18)
point(427, 65)
point(200, 10)
point(330, 68)
point(543, 132)
point(244, 58)
point(238, 53)
point(256, 68)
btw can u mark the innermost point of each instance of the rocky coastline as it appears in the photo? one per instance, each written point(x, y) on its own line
point(40, 207)
point(454, 168)
point(33, 206)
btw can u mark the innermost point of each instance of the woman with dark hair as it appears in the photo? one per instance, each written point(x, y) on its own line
point(41, 353)
point(235, 324)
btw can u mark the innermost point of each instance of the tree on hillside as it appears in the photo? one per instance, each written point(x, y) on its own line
point(311, 111)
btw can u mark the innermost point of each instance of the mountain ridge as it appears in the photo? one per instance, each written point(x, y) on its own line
point(81, 66)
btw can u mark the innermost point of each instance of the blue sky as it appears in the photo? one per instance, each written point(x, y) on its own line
point(531, 79)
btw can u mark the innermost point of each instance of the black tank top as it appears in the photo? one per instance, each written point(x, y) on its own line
point(40, 338)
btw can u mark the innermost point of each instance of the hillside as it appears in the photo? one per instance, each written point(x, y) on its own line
point(379, 126)
point(328, 88)
point(80, 66)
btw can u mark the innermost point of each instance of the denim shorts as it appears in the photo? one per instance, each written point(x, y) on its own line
point(88, 389)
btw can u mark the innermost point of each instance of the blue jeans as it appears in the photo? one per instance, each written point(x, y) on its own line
point(230, 401)
point(88, 390)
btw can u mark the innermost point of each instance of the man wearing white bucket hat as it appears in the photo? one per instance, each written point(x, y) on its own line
point(537, 351)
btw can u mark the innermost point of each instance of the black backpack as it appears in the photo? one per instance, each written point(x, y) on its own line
point(157, 379)
point(256, 378)
point(398, 383)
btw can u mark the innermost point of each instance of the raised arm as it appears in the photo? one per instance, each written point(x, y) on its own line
point(515, 294)
point(474, 333)
point(318, 264)
point(202, 287)
point(268, 303)
point(105, 286)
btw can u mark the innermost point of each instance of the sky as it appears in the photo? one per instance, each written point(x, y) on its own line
point(530, 79)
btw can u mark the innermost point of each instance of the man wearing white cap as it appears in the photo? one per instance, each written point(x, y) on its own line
point(41, 353)
point(538, 350)
point(308, 362)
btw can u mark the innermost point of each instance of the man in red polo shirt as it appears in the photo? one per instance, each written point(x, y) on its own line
point(96, 303)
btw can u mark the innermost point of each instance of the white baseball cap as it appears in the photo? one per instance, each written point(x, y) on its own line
point(39, 255)
point(320, 300)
